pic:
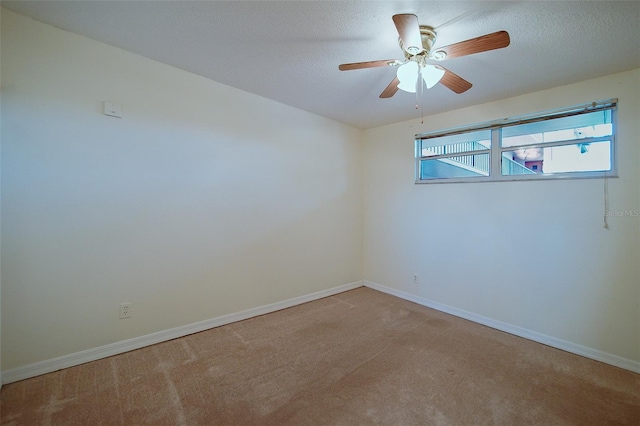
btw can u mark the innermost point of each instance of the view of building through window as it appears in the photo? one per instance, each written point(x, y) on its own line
point(574, 143)
point(578, 157)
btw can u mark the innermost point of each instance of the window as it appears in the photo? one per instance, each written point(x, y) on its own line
point(572, 142)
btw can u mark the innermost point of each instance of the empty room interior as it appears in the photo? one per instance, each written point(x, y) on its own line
point(292, 212)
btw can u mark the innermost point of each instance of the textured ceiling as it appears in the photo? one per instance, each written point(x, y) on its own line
point(289, 51)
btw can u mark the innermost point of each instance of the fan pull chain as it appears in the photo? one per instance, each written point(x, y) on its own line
point(420, 96)
point(421, 100)
point(417, 99)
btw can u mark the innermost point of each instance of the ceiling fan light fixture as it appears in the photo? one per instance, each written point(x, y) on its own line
point(408, 75)
point(439, 55)
point(407, 86)
point(431, 75)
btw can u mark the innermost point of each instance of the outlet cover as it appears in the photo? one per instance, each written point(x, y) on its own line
point(125, 310)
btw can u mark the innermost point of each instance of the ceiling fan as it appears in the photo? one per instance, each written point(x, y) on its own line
point(416, 42)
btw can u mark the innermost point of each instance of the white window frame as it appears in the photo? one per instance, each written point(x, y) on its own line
point(496, 150)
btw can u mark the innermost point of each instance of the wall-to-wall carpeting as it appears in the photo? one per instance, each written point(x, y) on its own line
point(360, 357)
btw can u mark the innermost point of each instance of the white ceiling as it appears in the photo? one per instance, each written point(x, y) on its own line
point(289, 51)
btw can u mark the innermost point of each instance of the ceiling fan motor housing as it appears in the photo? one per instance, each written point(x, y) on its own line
point(428, 37)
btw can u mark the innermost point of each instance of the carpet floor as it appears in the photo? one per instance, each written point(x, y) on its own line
point(358, 358)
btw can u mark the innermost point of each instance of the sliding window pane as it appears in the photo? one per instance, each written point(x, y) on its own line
point(460, 166)
point(455, 144)
point(592, 125)
point(580, 157)
point(456, 148)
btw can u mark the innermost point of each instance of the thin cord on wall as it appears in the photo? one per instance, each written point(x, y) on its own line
point(605, 225)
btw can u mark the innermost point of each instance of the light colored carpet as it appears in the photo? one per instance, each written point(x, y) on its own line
point(361, 357)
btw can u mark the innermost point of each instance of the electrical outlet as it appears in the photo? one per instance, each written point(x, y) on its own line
point(125, 310)
point(415, 278)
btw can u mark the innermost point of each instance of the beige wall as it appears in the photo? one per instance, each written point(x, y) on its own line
point(202, 200)
point(471, 243)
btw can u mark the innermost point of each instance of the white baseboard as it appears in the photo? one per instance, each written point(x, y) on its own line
point(66, 361)
point(564, 345)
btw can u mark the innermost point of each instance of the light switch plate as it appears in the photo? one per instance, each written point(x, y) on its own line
point(112, 109)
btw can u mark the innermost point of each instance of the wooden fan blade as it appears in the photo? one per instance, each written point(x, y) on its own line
point(391, 89)
point(409, 32)
point(454, 81)
point(492, 41)
point(369, 64)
